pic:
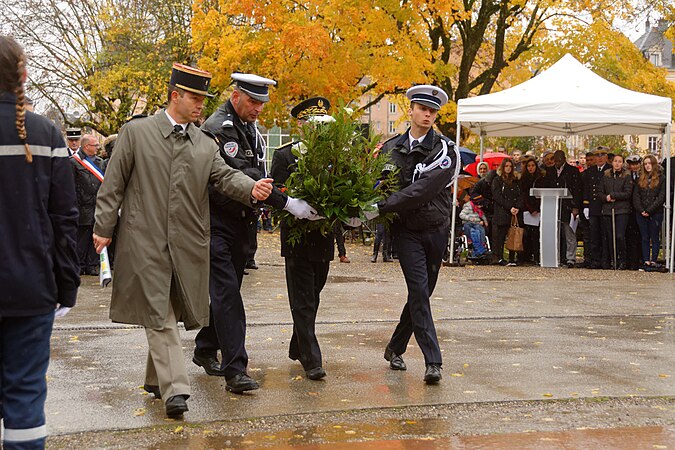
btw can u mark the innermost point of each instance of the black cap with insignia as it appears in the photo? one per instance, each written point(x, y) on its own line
point(315, 106)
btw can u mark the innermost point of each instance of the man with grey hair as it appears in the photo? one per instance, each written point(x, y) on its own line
point(88, 171)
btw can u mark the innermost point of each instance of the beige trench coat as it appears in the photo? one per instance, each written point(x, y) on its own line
point(160, 181)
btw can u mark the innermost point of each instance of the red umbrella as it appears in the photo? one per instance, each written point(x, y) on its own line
point(493, 159)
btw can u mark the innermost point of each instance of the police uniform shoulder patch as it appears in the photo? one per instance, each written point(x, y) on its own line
point(231, 149)
point(445, 162)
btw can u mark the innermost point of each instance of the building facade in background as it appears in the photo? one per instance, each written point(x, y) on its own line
point(657, 50)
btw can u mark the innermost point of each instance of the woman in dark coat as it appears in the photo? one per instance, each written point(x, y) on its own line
point(616, 191)
point(532, 176)
point(507, 204)
point(648, 199)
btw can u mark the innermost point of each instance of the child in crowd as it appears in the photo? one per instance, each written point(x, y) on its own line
point(474, 222)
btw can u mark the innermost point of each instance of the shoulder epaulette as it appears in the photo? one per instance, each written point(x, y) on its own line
point(136, 116)
point(228, 121)
point(287, 144)
point(209, 134)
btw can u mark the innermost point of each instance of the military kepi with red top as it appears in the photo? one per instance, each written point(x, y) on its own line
point(254, 86)
point(428, 95)
point(190, 79)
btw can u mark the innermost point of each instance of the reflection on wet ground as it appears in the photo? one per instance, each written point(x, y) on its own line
point(430, 434)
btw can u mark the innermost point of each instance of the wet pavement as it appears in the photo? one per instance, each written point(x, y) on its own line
point(523, 335)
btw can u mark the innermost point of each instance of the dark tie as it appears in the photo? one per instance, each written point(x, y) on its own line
point(250, 134)
point(178, 130)
point(414, 144)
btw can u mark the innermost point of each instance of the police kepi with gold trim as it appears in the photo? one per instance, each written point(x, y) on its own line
point(315, 106)
point(190, 79)
point(428, 95)
point(254, 86)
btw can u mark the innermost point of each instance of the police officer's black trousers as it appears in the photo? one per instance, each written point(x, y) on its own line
point(227, 321)
point(305, 280)
point(599, 252)
point(420, 254)
point(86, 253)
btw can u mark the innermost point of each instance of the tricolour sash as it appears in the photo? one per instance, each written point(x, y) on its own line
point(89, 166)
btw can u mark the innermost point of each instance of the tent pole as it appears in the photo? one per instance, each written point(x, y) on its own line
point(669, 223)
point(481, 146)
point(451, 256)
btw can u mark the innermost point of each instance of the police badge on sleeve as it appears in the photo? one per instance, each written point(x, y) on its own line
point(231, 149)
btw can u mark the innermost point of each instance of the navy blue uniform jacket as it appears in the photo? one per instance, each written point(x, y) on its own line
point(38, 218)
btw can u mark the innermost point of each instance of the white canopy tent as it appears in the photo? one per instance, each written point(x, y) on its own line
point(568, 99)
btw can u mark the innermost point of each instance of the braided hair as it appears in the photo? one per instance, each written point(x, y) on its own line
point(12, 71)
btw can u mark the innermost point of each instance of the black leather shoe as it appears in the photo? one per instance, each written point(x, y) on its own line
point(395, 361)
point(251, 265)
point(316, 373)
point(176, 406)
point(433, 374)
point(152, 389)
point(209, 363)
point(387, 258)
point(241, 383)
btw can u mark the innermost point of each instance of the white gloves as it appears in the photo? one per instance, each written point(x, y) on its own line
point(353, 222)
point(301, 209)
point(370, 215)
point(61, 311)
point(586, 213)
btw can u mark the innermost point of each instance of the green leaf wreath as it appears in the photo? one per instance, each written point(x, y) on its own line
point(339, 173)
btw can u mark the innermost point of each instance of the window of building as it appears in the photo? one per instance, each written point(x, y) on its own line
point(655, 58)
point(392, 108)
point(653, 144)
point(392, 127)
point(377, 126)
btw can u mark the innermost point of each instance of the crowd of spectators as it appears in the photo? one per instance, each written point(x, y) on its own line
point(615, 207)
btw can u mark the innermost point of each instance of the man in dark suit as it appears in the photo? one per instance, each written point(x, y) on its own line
point(88, 169)
point(564, 175)
point(592, 203)
point(307, 262)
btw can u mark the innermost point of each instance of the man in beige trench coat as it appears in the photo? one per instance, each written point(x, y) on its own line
point(159, 177)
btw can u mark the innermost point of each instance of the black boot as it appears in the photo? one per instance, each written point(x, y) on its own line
point(387, 258)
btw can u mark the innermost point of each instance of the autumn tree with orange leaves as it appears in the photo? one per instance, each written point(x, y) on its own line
point(345, 49)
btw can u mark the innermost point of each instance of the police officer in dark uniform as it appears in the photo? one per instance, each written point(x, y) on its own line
point(592, 203)
point(73, 136)
point(233, 127)
point(307, 262)
point(88, 170)
point(428, 163)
